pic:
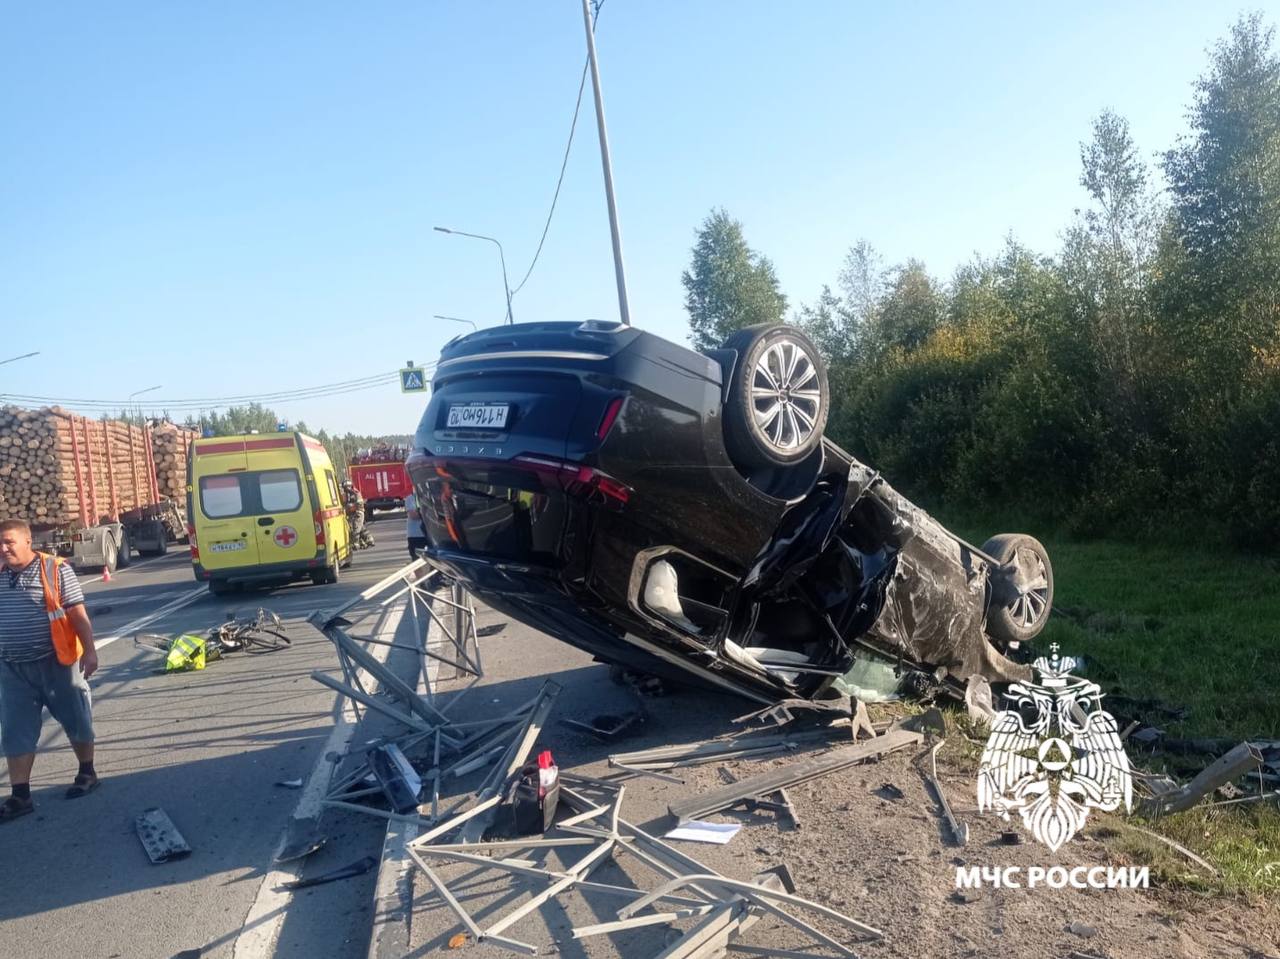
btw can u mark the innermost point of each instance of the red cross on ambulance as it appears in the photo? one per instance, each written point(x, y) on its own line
point(286, 536)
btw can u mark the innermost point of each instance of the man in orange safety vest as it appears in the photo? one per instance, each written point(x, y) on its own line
point(46, 656)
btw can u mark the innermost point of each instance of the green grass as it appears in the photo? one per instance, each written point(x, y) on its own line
point(1194, 627)
point(1199, 629)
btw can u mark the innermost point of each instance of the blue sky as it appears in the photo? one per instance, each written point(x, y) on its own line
point(237, 198)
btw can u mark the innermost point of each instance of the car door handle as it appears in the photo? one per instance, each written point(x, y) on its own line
point(266, 521)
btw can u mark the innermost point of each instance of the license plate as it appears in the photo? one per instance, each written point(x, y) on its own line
point(480, 416)
point(228, 547)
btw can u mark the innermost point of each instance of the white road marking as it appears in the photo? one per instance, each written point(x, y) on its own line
point(261, 927)
point(186, 599)
point(393, 891)
point(116, 604)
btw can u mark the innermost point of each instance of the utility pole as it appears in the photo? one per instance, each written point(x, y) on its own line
point(618, 269)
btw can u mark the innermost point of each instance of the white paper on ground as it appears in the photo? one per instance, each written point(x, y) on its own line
point(696, 831)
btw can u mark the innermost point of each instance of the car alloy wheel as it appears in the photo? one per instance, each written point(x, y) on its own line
point(785, 398)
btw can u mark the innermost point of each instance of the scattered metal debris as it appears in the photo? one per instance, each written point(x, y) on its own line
point(725, 908)
point(608, 726)
point(1228, 767)
point(959, 831)
point(1245, 800)
point(396, 777)
point(780, 713)
point(781, 805)
point(745, 746)
point(160, 837)
point(302, 838)
point(346, 872)
point(711, 802)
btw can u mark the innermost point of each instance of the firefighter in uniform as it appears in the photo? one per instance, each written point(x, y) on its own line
point(353, 503)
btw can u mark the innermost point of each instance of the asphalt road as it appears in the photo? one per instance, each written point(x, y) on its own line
point(207, 747)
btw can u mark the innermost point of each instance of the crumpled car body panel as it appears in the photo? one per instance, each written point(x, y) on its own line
point(601, 507)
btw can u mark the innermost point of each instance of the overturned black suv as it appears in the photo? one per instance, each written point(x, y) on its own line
point(682, 513)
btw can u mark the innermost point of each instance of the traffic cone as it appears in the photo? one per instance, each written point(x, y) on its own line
point(106, 575)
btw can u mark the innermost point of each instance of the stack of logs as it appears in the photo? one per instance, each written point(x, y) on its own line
point(60, 469)
point(170, 444)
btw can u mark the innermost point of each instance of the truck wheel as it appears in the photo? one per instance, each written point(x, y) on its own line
point(1022, 592)
point(124, 556)
point(110, 554)
point(158, 551)
point(778, 397)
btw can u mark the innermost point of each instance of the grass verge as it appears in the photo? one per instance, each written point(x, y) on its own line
point(1197, 631)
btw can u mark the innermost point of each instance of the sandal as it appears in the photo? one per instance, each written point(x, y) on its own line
point(82, 786)
point(13, 807)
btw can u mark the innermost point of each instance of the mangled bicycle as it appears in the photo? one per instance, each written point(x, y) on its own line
point(264, 633)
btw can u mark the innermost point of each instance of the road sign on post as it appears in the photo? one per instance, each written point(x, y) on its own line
point(413, 380)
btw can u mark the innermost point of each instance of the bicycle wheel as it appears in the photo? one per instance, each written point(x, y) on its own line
point(230, 637)
point(265, 641)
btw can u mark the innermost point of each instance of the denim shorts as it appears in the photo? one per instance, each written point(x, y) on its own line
point(27, 688)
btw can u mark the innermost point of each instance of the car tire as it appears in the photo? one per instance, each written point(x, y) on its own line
point(219, 587)
point(124, 553)
point(1020, 614)
point(778, 398)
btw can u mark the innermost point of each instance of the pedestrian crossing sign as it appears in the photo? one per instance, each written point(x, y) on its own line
point(413, 380)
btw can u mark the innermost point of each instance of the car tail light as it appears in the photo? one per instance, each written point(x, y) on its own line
point(191, 539)
point(319, 527)
point(610, 414)
point(577, 479)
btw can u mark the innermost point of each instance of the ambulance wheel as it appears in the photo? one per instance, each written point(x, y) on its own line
point(219, 587)
point(327, 575)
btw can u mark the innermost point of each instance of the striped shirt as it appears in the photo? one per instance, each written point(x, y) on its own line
point(24, 622)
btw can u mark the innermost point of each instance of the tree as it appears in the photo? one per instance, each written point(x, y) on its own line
point(862, 280)
point(838, 323)
point(728, 285)
point(1106, 254)
point(908, 312)
point(1224, 180)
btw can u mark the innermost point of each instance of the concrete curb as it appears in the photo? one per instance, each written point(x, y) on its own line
point(393, 891)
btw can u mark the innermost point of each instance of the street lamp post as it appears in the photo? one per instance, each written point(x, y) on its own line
point(139, 393)
point(506, 287)
point(456, 319)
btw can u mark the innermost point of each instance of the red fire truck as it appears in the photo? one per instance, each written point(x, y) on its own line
point(379, 475)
